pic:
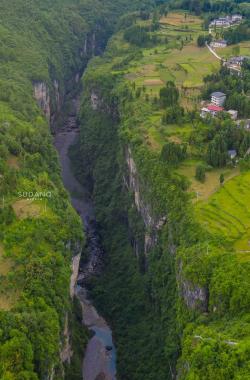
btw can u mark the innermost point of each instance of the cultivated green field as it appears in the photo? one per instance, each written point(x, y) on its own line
point(227, 213)
point(175, 58)
point(179, 59)
point(229, 51)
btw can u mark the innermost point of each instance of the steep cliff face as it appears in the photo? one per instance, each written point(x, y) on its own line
point(50, 97)
point(194, 296)
point(42, 96)
point(67, 351)
point(152, 224)
point(90, 46)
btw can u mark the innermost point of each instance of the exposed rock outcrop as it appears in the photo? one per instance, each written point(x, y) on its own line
point(152, 223)
point(95, 101)
point(42, 96)
point(194, 296)
point(67, 352)
point(74, 275)
point(57, 95)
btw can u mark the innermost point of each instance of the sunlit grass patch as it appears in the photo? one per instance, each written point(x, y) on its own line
point(202, 191)
point(181, 19)
point(228, 211)
point(244, 49)
point(29, 208)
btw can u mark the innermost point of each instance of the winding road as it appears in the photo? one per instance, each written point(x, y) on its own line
point(213, 52)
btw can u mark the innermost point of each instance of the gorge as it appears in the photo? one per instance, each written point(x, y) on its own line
point(131, 268)
point(99, 360)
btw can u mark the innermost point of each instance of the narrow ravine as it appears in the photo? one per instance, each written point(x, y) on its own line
point(99, 362)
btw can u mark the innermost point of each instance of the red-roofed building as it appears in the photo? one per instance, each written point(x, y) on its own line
point(214, 108)
point(211, 110)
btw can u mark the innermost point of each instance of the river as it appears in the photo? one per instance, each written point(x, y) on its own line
point(99, 362)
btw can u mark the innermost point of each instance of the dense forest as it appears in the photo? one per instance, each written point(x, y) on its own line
point(174, 293)
point(178, 307)
point(42, 44)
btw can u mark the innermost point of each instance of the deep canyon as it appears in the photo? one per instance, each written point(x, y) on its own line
point(120, 273)
point(99, 360)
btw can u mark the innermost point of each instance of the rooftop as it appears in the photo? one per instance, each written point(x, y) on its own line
point(212, 107)
point(218, 94)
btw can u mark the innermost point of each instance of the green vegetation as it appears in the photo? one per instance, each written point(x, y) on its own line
point(236, 87)
point(238, 34)
point(173, 153)
point(202, 40)
point(187, 299)
point(41, 45)
point(79, 337)
point(227, 211)
point(183, 306)
point(200, 173)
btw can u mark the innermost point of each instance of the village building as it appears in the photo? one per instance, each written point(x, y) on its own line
point(236, 18)
point(237, 61)
point(218, 98)
point(233, 114)
point(222, 21)
point(232, 153)
point(234, 64)
point(211, 110)
point(218, 44)
point(227, 21)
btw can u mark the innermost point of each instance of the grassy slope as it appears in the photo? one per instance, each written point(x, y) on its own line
point(186, 67)
point(227, 213)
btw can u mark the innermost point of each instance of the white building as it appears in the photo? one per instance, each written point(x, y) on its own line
point(227, 21)
point(222, 21)
point(218, 98)
point(236, 18)
point(218, 44)
point(232, 153)
point(210, 110)
point(233, 114)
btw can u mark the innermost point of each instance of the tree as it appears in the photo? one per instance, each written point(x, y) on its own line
point(222, 179)
point(169, 95)
point(137, 35)
point(201, 40)
point(217, 152)
point(173, 115)
point(200, 173)
point(173, 153)
point(155, 22)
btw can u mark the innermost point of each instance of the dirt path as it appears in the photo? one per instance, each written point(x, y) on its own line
point(213, 52)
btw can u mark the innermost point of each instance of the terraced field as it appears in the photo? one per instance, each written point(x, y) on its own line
point(244, 49)
point(175, 58)
point(227, 213)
